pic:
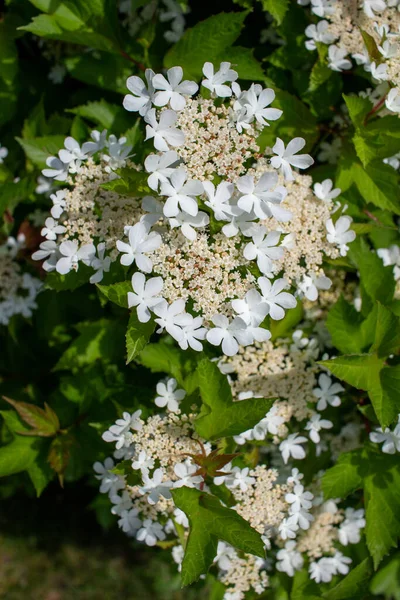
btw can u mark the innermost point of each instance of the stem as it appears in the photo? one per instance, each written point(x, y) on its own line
point(375, 108)
point(133, 60)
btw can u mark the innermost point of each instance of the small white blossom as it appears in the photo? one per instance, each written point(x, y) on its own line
point(58, 169)
point(215, 81)
point(286, 158)
point(172, 318)
point(48, 251)
point(110, 482)
point(393, 100)
point(340, 233)
point(310, 284)
point(193, 331)
point(225, 555)
point(240, 478)
point(187, 477)
point(391, 256)
point(349, 530)
point(3, 153)
point(323, 8)
point(155, 487)
point(288, 528)
point(298, 499)
point(71, 254)
point(173, 89)
point(141, 98)
point(379, 72)
point(314, 426)
point(140, 242)
point(289, 559)
point(230, 334)
point(129, 521)
point(372, 6)
point(322, 571)
point(120, 432)
point(168, 395)
point(265, 249)
point(145, 295)
point(52, 229)
point(324, 190)
point(160, 167)
point(389, 439)
point(327, 392)
point(261, 198)
point(180, 194)
point(150, 532)
point(318, 33)
point(163, 131)
point(295, 477)
point(188, 224)
point(218, 199)
point(291, 447)
point(58, 199)
point(142, 461)
point(337, 60)
point(275, 297)
point(100, 263)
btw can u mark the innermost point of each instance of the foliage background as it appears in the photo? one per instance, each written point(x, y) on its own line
point(69, 353)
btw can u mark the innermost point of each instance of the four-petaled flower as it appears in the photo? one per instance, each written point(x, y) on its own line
point(168, 395)
point(145, 295)
point(140, 242)
point(173, 89)
point(163, 131)
point(286, 158)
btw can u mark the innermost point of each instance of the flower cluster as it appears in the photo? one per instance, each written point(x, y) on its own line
point(161, 453)
point(227, 231)
point(18, 288)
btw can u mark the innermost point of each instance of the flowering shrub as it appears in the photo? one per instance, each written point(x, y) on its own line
point(200, 242)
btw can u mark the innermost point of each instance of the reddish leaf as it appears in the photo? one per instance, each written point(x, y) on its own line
point(44, 423)
point(59, 455)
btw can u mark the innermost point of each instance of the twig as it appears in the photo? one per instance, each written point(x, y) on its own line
point(375, 108)
point(133, 60)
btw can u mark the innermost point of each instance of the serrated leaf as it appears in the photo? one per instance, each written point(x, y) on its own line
point(244, 62)
point(19, 455)
point(14, 192)
point(358, 108)
point(45, 422)
point(137, 336)
point(117, 292)
point(354, 586)
point(40, 148)
point(345, 477)
point(378, 184)
point(207, 40)
point(161, 358)
point(106, 71)
point(107, 115)
point(387, 332)
point(356, 369)
point(343, 323)
point(377, 280)
point(209, 522)
point(220, 416)
point(277, 8)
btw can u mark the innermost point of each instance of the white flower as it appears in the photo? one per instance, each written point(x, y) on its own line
point(58, 200)
point(340, 563)
point(51, 229)
point(323, 8)
point(58, 169)
point(330, 152)
point(177, 555)
point(100, 264)
point(72, 151)
point(189, 224)
point(318, 33)
point(72, 254)
point(168, 395)
point(295, 477)
point(160, 167)
point(393, 100)
point(314, 426)
point(391, 256)
point(154, 486)
point(49, 251)
point(259, 197)
point(239, 478)
point(154, 209)
point(310, 284)
point(140, 242)
point(291, 447)
point(324, 190)
point(251, 308)
point(390, 439)
point(193, 331)
point(121, 503)
point(230, 334)
point(337, 60)
point(215, 81)
point(186, 474)
point(218, 199)
point(322, 571)
point(173, 89)
point(172, 318)
point(265, 249)
point(286, 158)
point(225, 555)
point(288, 528)
point(289, 559)
point(129, 521)
point(271, 421)
point(110, 482)
point(255, 101)
point(327, 392)
point(180, 194)
point(370, 6)
point(298, 499)
point(276, 299)
point(145, 295)
point(349, 530)
point(142, 97)
point(43, 186)
point(163, 131)
point(379, 72)
point(120, 432)
point(181, 518)
point(99, 141)
point(142, 461)
point(388, 50)
point(3, 153)
point(118, 152)
point(150, 532)
point(340, 233)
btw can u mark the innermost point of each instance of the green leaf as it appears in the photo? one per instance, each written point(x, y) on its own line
point(358, 108)
point(384, 393)
point(106, 71)
point(40, 473)
point(277, 8)
point(378, 184)
point(117, 292)
point(382, 499)
point(220, 416)
point(18, 455)
point(162, 358)
point(292, 317)
point(137, 336)
point(207, 40)
point(345, 477)
point(386, 581)
point(371, 46)
point(14, 192)
point(92, 24)
point(244, 62)
point(355, 585)
point(40, 148)
point(8, 52)
point(129, 183)
point(71, 281)
point(98, 340)
point(44, 422)
point(359, 370)
point(209, 522)
point(60, 454)
point(343, 323)
point(377, 280)
point(107, 115)
point(387, 332)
